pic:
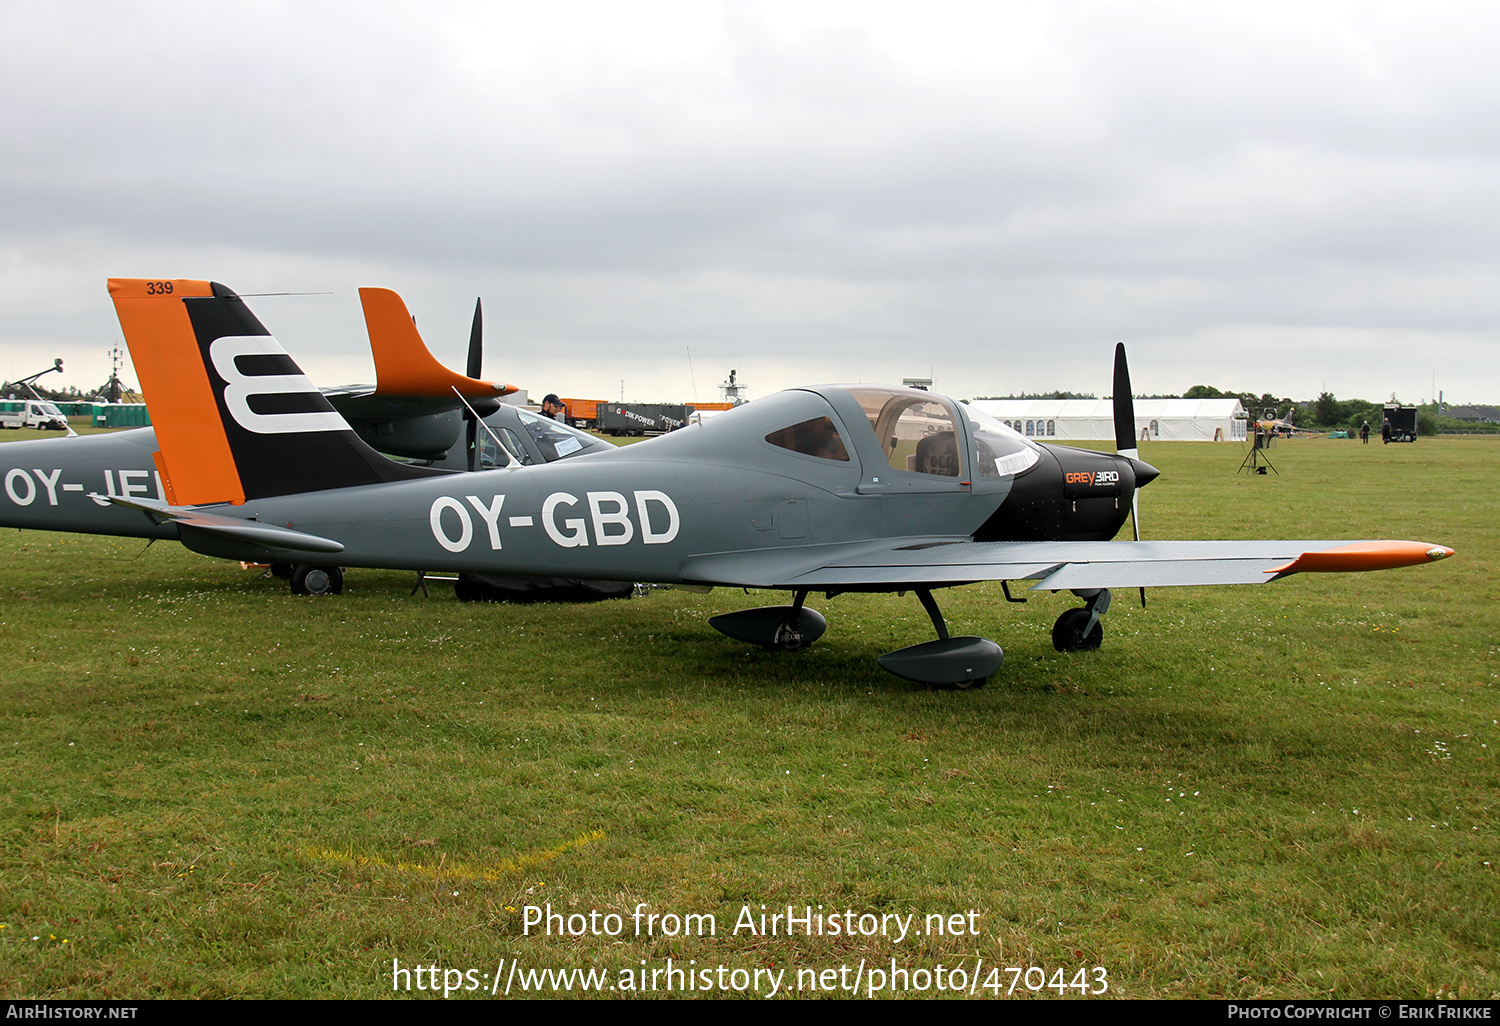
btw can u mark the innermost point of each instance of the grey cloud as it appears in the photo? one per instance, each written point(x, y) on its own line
point(1155, 173)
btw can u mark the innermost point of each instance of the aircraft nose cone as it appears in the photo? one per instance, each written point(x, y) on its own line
point(1145, 473)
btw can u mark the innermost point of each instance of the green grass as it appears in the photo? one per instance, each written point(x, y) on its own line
point(211, 788)
point(80, 426)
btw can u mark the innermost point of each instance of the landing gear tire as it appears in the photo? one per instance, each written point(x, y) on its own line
point(789, 638)
point(317, 580)
point(1068, 636)
point(969, 685)
point(774, 628)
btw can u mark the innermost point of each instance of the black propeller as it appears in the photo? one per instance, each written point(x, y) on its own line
point(1125, 443)
point(1124, 407)
point(475, 365)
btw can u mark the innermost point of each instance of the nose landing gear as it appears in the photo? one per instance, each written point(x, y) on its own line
point(1079, 630)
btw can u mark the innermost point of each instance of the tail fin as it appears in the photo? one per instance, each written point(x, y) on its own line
point(403, 364)
point(235, 417)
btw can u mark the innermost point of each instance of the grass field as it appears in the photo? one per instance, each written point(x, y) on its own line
point(25, 434)
point(211, 788)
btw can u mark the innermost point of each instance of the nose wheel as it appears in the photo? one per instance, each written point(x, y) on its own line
point(1080, 630)
point(1072, 633)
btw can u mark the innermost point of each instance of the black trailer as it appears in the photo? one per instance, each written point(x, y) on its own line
point(1403, 422)
point(641, 418)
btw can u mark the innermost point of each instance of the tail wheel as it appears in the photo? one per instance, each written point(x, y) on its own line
point(317, 580)
point(1068, 633)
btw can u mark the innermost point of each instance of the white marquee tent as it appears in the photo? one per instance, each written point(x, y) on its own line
point(1093, 420)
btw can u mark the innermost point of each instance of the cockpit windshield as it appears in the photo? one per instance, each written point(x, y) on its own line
point(555, 438)
point(552, 439)
point(1003, 452)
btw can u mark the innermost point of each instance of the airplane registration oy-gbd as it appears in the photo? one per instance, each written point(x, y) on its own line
point(827, 489)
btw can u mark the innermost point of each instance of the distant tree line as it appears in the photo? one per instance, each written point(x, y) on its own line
point(70, 394)
point(1331, 413)
point(1325, 413)
point(1256, 405)
point(1042, 395)
point(57, 395)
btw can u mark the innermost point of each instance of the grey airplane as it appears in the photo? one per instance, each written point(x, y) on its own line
point(418, 410)
point(829, 489)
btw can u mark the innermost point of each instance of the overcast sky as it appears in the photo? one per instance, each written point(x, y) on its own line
point(1281, 197)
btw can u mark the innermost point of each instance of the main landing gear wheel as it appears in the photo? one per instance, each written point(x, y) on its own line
point(1068, 633)
point(775, 628)
point(959, 663)
point(317, 580)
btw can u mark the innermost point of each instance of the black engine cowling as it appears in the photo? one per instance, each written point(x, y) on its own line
point(1069, 495)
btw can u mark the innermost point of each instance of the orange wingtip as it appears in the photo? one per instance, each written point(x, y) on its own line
point(1369, 555)
point(403, 363)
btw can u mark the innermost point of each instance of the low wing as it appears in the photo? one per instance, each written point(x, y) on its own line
point(1054, 566)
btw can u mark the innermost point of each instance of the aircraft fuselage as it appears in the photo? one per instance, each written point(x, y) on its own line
point(716, 490)
point(50, 484)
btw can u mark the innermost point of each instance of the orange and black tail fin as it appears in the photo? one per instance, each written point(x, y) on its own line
point(235, 417)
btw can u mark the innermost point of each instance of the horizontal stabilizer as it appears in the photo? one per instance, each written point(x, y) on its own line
point(234, 528)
